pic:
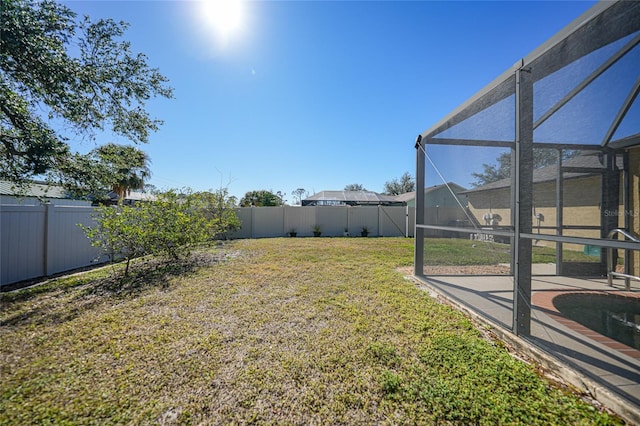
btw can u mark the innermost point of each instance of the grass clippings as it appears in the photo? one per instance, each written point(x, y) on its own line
point(284, 331)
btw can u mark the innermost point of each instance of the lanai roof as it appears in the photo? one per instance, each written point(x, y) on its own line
point(586, 81)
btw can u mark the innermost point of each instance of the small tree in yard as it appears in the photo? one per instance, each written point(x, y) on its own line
point(173, 224)
point(169, 227)
point(217, 208)
point(119, 233)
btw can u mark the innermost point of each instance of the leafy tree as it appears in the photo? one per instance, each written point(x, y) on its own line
point(119, 168)
point(260, 198)
point(83, 176)
point(55, 66)
point(355, 187)
point(120, 233)
point(169, 226)
point(150, 188)
point(218, 209)
point(128, 167)
point(280, 196)
point(502, 170)
point(400, 186)
point(298, 195)
point(173, 223)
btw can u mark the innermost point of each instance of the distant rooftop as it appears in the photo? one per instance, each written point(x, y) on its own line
point(352, 198)
point(408, 196)
point(550, 173)
point(44, 190)
point(37, 189)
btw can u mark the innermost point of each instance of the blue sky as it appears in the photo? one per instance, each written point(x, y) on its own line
point(318, 94)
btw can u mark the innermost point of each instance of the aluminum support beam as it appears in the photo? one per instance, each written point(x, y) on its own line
point(523, 200)
point(418, 254)
point(559, 211)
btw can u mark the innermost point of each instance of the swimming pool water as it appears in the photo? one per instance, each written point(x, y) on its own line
point(614, 316)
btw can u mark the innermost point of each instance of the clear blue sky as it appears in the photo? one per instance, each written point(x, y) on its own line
point(318, 94)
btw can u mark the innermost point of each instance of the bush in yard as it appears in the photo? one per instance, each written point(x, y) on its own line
point(118, 232)
point(218, 208)
point(169, 226)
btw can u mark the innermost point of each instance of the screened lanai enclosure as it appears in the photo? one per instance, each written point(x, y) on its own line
point(562, 128)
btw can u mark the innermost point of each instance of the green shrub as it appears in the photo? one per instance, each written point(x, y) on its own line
point(169, 226)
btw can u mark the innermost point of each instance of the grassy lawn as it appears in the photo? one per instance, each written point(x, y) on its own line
point(285, 331)
point(453, 251)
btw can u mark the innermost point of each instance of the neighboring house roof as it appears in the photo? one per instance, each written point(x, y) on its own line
point(36, 193)
point(35, 189)
point(550, 173)
point(44, 190)
point(350, 197)
point(133, 196)
point(408, 196)
point(372, 198)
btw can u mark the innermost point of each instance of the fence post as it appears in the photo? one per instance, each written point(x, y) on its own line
point(48, 248)
point(253, 217)
point(406, 221)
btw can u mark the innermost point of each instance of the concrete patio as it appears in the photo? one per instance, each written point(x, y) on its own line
point(608, 370)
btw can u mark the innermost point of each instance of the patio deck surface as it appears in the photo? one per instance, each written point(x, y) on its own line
point(608, 370)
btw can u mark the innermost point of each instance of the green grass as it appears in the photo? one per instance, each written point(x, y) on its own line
point(286, 331)
point(451, 251)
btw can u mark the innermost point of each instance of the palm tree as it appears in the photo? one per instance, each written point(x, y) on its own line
point(128, 165)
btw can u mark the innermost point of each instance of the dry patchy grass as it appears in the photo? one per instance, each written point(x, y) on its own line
point(286, 331)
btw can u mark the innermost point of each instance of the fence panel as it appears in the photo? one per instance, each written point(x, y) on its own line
point(299, 218)
point(246, 223)
point(268, 222)
point(67, 245)
point(361, 216)
point(37, 241)
point(393, 221)
point(332, 220)
point(22, 243)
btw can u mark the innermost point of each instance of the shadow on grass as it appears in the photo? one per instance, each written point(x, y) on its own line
point(66, 298)
point(147, 274)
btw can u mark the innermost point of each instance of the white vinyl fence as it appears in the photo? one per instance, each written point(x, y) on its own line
point(39, 241)
point(263, 222)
